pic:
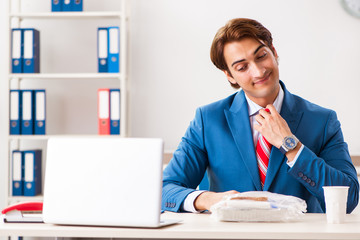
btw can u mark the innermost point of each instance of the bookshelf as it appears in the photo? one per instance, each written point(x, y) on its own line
point(68, 15)
point(15, 17)
point(67, 76)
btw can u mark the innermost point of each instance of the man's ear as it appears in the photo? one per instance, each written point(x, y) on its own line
point(275, 53)
point(229, 77)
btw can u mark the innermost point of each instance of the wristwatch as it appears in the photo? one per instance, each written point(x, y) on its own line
point(289, 143)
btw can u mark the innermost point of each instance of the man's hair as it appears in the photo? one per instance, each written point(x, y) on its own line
point(236, 30)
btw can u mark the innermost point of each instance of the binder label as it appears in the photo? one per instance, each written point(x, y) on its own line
point(28, 45)
point(115, 105)
point(27, 106)
point(29, 167)
point(17, 166)
point(40, 106)
point(103, 45)
point(114, 41)
point(14, 106)
point(16, 48)
point(104, 104)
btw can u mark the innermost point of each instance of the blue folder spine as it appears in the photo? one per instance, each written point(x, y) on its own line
point(40, 111)
point(27, 120)
point(56, 5)
point(32, 172)
point(67, 5)
point(17, 173)
point(31, 60)
point(15, 112)
point(77, 5)
point(113, 49)
point(17, 50)
point(102, 49)
point(115, 111)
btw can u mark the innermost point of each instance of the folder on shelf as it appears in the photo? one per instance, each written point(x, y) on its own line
point(27, 121)
point(32, 172)
point(56, 5)
point(17, 50)
point(40, 111)
point(31, 60)
point(77, 5)
point(102, 49)
point(114, 111)
point(17, 173)
point(66, 5)
point(15, 112)
point(104, 111)
point(114, 49)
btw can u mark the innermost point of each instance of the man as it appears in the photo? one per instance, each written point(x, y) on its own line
point(262, 138)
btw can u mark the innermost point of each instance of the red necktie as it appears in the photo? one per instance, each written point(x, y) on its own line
point(263, 148)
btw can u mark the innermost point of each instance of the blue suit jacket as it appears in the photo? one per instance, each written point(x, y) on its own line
point(220, 141)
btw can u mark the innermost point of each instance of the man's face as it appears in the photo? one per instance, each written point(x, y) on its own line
point(253, 66)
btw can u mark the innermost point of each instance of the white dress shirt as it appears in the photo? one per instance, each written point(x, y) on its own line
point(253, 109)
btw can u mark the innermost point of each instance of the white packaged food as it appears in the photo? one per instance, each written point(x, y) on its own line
point(259, 207)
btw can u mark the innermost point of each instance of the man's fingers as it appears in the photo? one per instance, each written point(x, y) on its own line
point(260, 119)
point(271, 108)
point(257, 127)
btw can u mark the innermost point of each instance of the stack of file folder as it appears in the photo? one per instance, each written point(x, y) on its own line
point(26, 172)
point(27, 111)
point(109, 111)
point(66, 5)
point(25, 50)
point(108, 49)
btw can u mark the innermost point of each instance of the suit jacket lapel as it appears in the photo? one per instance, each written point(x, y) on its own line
point(238, 120)
point(292, 116)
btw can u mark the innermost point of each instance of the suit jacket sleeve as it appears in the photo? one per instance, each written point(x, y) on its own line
point(186, 170)
point(329, 165)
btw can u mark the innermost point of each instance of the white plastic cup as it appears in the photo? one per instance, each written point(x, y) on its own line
point(335, 202)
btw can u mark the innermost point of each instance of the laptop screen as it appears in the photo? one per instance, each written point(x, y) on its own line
point(108, 181)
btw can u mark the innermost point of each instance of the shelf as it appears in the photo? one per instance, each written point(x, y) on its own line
point(66, 75)
point(14, 18)
point(14, 199)
point(62, 15)
point(46, 137)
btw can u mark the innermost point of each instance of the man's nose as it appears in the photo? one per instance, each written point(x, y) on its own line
point(257, 70)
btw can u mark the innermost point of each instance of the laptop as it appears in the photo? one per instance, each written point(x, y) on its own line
point(107, 181)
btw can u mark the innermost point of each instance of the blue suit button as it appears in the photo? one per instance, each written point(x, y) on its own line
point(300, 174)
point(312, 184)
point(308, 180)
point(304, 178)
point(166, 204)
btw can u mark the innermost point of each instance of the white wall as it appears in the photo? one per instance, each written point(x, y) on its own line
point(170, 70)
point(171, 73)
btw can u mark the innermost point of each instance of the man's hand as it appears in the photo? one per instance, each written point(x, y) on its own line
point(272, 126)
point(206, 199)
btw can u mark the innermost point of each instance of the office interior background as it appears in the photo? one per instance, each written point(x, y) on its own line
point(169, 70)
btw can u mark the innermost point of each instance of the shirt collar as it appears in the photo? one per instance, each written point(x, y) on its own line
point(254, 108)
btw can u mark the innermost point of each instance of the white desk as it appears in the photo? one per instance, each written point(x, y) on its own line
point(201, 226)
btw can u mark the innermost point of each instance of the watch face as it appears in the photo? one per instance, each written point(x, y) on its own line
point(352, 7)
point(290, 143)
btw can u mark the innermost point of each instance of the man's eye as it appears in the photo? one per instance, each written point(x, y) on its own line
point(242, 68)
point(262, 56)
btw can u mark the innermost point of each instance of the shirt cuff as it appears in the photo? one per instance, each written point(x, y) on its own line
point(188, 205)
point(291, 164)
